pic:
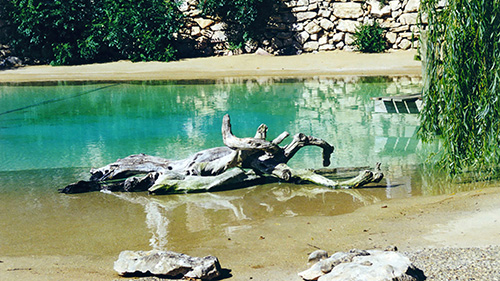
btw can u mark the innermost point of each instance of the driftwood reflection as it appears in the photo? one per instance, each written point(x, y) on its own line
point(229, 212)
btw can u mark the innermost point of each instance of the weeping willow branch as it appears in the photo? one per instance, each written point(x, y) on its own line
point(461, 84)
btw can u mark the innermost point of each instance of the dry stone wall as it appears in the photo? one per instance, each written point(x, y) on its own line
point(305, 26)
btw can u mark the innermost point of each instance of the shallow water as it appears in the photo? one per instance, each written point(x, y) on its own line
point(50, 135)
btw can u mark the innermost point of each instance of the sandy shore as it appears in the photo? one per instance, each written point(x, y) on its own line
point(246, 66)
point(468, 219)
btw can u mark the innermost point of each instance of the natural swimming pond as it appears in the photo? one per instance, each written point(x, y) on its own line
point(70, 125)
point(51, 135)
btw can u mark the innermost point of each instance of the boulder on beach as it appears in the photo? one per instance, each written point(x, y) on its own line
point(375, 265)
point(166, 263)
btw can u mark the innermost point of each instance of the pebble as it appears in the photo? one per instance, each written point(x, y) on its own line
point(317, 256)
point(443, 264)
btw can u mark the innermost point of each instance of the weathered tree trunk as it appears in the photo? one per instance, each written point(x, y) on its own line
point(242, 162)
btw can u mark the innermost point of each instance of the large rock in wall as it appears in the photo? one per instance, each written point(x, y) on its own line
point(7, 60)
point(305, 26)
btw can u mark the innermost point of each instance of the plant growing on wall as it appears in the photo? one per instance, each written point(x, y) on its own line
point(462, 85)
point(246, 19)
point(369, 38)
point(383, 2)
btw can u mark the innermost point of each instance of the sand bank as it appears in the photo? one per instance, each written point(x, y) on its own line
point(277, 249)
point(334, 63)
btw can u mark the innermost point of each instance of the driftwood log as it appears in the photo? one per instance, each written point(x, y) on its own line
point(242, 162)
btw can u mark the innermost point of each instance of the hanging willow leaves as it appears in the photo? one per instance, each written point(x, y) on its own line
point(461, 57)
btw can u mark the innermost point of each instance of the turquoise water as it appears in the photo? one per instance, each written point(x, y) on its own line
point(66, 126)
point(51, 135)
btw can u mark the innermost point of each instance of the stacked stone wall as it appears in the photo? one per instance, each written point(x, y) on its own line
point(306, 26)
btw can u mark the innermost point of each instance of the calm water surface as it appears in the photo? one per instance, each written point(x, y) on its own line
point(51, 135)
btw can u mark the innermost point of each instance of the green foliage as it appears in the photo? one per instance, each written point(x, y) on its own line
point(462, 85)
point(246, 19)
point(142, 30)
point(383, 3)
point(84, 31)
point(369, 38)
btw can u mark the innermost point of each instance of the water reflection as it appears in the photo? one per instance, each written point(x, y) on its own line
point(225, 213)
point(174, 120)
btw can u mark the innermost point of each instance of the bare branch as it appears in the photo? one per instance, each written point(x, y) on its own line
point(363, 178)
point(236, 143)
point(261, 132)
point(129, 166)
point(230, 179)
point(300, 140)
point(280, 138)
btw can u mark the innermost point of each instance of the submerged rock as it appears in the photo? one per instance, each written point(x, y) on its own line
point(166, 263)
point(362, 265)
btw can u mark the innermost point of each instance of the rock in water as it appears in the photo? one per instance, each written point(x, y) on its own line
point(167, 263)
point(358, 265)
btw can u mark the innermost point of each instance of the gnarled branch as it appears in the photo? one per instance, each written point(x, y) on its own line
point(300, 140)
point(242, 162)
point(251, 144)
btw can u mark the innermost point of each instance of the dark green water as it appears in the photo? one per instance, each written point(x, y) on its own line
point(51, 135)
